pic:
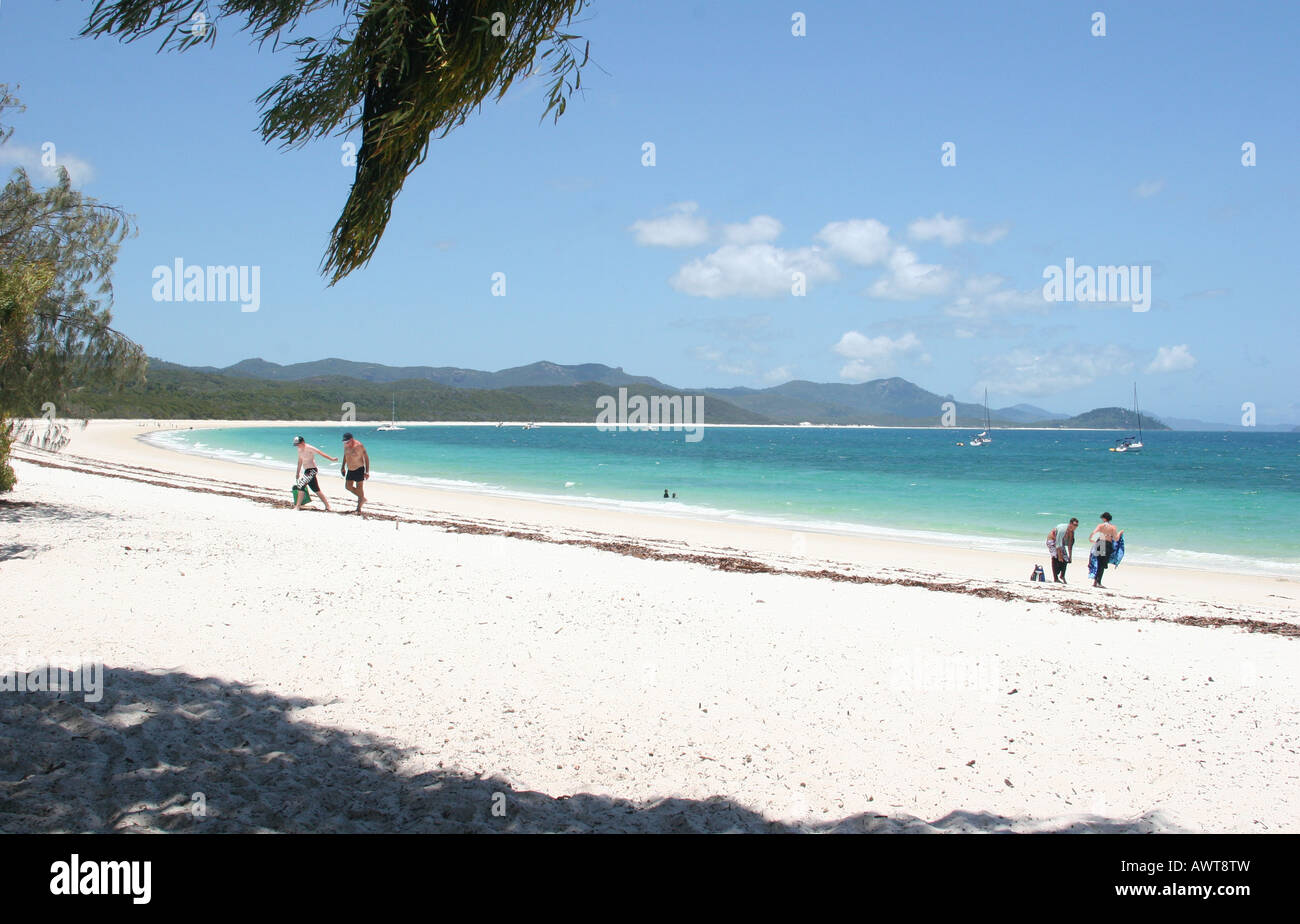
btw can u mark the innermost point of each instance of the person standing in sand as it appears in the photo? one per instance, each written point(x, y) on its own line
point(356, 468)
point(305, 475)
point(1060, 545)
point(1103, 541)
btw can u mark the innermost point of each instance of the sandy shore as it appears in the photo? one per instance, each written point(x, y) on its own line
point(118, 441)
point(428, 669)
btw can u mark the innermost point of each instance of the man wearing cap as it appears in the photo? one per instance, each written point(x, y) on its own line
point(306, 473)
point(1103, 541)
point(356, 469)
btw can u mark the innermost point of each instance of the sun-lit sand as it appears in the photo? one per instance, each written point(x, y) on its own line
point(468, 662)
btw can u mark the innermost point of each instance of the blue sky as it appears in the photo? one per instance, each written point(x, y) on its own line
point(774, 154)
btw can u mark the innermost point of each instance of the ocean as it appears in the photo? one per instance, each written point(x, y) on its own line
point(1223, 501)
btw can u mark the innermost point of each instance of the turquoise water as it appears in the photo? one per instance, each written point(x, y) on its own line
point(1215, 500)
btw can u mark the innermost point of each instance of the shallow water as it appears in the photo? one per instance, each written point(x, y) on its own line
point(1227, 501)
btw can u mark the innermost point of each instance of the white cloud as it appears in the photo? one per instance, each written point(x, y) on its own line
point(983, 285)
point(1035, 373)
point(864, 241)
point(757, 270)
point(748, 264)
point(1172, 359)
point(990, 235)
point(1148, 188)
point(17, 155)
point(720, 361)
point(909, 278)
point(729, 363)
point(683, 226)
point(873, 357)
point(949, 230)
point(953, 231)
point(982, 297)
point(760, 229)
point(680, 228)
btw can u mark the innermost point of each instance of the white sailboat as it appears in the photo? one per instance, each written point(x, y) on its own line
point(979, 439)
point(392, 422)
point(1131, 443)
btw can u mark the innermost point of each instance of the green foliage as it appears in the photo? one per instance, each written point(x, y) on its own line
point(178, 393)
point(7, 477)
point(402, 71)
point(1110, 418)
point(11, 102)
point(57, 250)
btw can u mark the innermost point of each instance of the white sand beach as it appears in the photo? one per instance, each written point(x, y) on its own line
point(463, 662)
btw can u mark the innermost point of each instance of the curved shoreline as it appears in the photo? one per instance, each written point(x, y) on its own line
point(1239, 565)
point(118, 441)
point(565, 651)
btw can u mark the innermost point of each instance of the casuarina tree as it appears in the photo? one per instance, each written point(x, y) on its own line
point(57, 250)
point(399, 72)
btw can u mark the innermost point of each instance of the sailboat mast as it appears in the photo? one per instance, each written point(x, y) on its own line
point(1137, 410)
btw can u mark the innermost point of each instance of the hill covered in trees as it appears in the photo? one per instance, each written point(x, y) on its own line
point(1109, 418)
point(258, 390)
point(178, 392)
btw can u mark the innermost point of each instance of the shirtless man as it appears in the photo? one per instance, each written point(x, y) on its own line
point(356, 466)
point(305, 474)
point(1104, 538)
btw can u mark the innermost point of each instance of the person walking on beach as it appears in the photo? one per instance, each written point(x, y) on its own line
point(305, 474)
point(1103, 541)
point(1060, 545)
point(356, 469)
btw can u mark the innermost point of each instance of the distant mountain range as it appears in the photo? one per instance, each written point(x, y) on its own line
point(1025, 413)
point(256, 388)
point(536, 375)
point(180, 392)
point(884, 402)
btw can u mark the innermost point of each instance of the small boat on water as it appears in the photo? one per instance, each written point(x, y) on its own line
point(1131, 443)
point(392, 422)
point(983, 437)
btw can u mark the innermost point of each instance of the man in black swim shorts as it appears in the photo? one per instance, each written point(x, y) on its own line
point(306, 471)
point(356, 467)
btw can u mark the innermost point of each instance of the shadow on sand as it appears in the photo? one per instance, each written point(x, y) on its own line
point(13, 550)
point(14, 511)
point(159, 745)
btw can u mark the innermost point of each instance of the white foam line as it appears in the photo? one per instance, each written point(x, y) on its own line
point(1172, 558)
